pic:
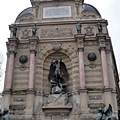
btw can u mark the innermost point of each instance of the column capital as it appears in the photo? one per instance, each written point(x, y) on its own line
point(80, 40)
point(33, 43)
point(12, 44)
point(101, 37)
point(102, 49)
point(80, 49)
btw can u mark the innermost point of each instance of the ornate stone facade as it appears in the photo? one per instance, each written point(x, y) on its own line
point(88, 57)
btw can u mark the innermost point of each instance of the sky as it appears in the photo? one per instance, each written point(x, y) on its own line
point(109, 10)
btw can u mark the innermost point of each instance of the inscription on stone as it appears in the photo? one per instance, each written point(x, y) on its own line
point(93, 76)
point(57, 12)
point(95, 97)
point(19, 99)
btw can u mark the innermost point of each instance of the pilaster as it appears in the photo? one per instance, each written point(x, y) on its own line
point(83, 101)
point(30, 94)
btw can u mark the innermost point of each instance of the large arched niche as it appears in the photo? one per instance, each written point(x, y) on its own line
point(46, 68)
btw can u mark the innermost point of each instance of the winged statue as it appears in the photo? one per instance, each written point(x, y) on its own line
point(58, 75)
point(105, 113)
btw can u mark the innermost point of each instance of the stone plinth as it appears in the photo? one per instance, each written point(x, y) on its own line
point(57, 105)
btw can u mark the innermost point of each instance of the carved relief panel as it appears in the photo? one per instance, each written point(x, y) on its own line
point(56, 32)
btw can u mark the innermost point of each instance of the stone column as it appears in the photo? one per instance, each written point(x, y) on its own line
point(79, 39)
point(30, 94)
point(81, 68)
point(11, 48)
point(31, 70)
point(104, 67)
point(83, 92)
point(107, 90)
point(102, 45)
point(33, 45)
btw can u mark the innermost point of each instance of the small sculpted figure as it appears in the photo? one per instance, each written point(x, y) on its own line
point(34, 29)
point(78, 27)
point(99, 27)
point(14, 30)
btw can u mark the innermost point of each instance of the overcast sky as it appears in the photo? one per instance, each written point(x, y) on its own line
point(109, 9)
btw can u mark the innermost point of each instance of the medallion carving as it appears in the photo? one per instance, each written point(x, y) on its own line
point(27, 17)
point(25, 34)
point(89, 31)
point(58, 32)
point(56, 46)
point(92, 58)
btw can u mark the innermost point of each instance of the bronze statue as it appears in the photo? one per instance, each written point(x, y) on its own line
point(14, 30)
point(6, 114)
point(105, 113)
point(1, 115)
point(118, 114)
point(34, 29)
point(57, 76)
point(78, 27)
point(99, 27)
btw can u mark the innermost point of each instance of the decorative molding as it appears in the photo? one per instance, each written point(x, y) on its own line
point(58, 32)
point(25, 34)
point(26, 18)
